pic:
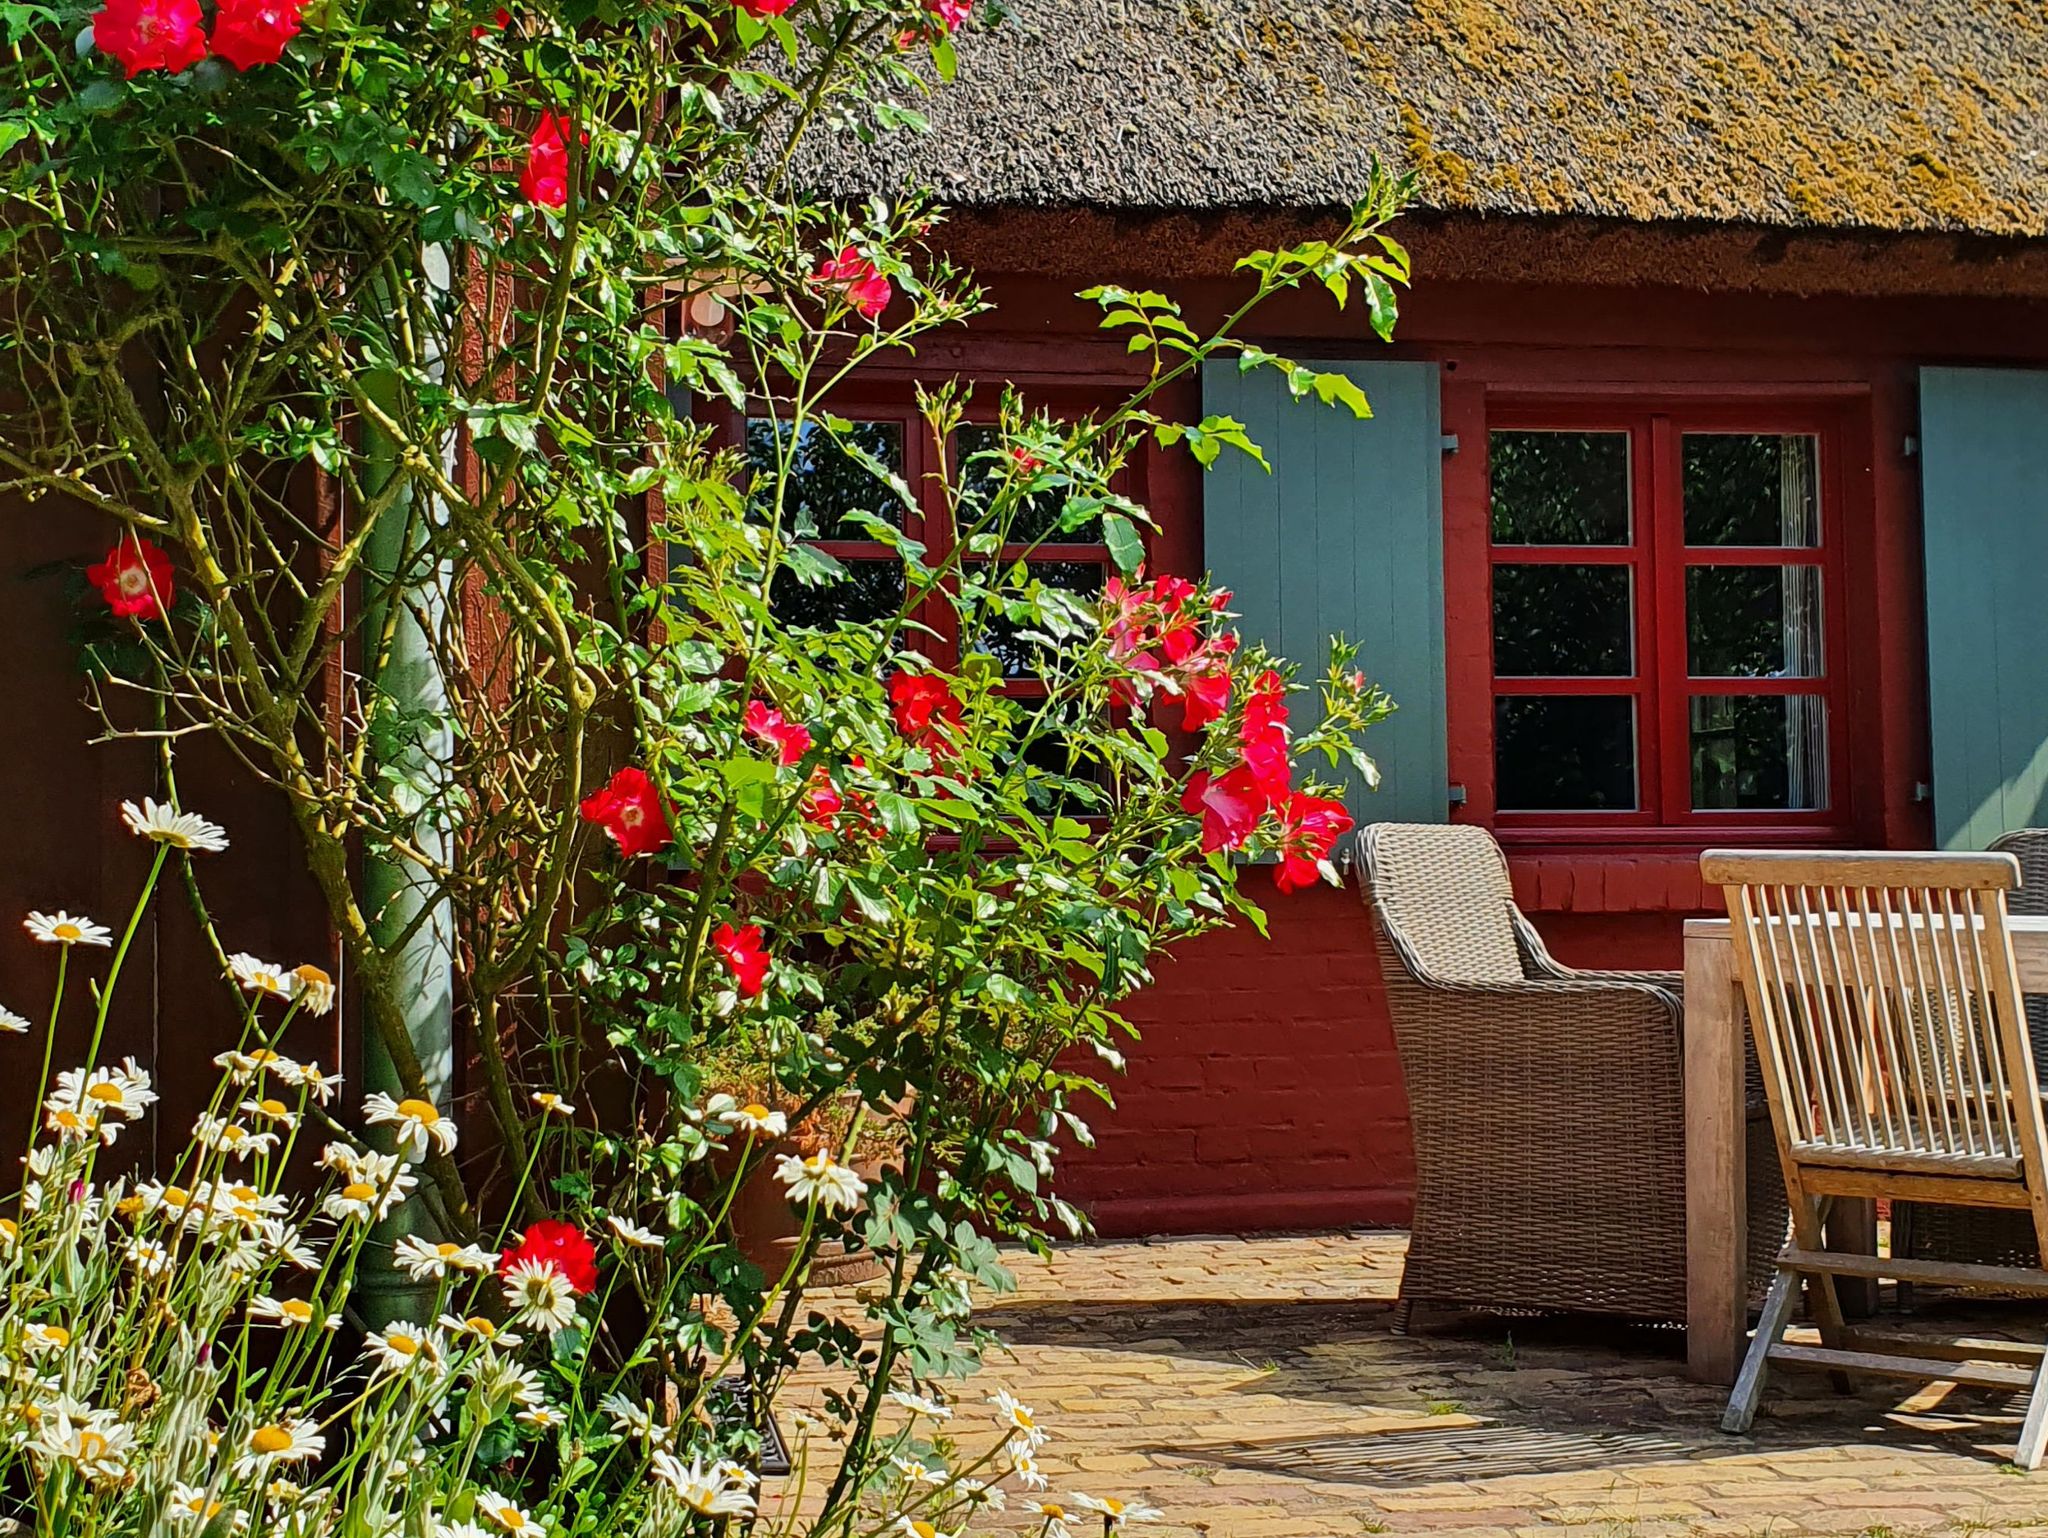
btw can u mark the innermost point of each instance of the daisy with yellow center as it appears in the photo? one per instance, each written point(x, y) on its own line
point(1021, 1422)
point(633, 1234)
point(45, 1339)
point(477, 1327)
point(539, 1295)
point(415, 1123)
point(1053, 1515)
point(291, 1314)
point(425, 1260)
point(1117, 1514)
point(821, 1179)
point(541, 1417)
point(95, 1442)
point(316, 989)
point(917, 1527)
point(401, 1345)
point(289, 1440)
point(552, 1104)
point(12, 1024)
point(191, 1506)
point(272, 1110)
point(232, 1138)
point(10, 1235)
point(148, 1257)
point(758, 1121)
point(508, 1517)
point(61, 928)
point(704, 1490)
point(360, 1201)
point(164, 824)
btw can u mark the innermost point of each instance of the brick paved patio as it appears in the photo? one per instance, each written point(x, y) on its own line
point(1251, 1388)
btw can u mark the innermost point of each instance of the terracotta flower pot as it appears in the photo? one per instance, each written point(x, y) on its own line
point(767, 1225)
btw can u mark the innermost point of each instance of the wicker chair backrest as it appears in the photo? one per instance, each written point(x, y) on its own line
point(2030, 847)
point(1442, 893)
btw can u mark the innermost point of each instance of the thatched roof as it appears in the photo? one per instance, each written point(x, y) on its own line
point(1871, 114)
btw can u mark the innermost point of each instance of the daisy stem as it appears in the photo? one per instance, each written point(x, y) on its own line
point(99, 1025)
point(35, 1104)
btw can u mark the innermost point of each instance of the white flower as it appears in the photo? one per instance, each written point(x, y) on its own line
point(288, 1440)
point(634, 1234)
point(736, 1474)
point(499, 1383)
point(1053, 1515)
point(316, 989)
point(255, 975)
point(820, 1179)
point(307, 1076)
point(124, 1092)
point(1022, 1423)
point(508, 1516)
point(417, 1123)
point(916, 1472)
point(61, 928)
point(284, 1242)
point(244, 1066)
point(552, 1104)
point(95, 1442)
point(917, 1527)
point(45, 1339)
point(635, 1420)
point(425, 1261)
point(541, 1417)
point(459, 1530)
point(167, 825)
point(400, 1345)
point(1115, 1513)
point(477, 1327)
point(12, 1024)
point(919, 1404)
point(541, 1296)
point(148, 1257)
point(232, 1138)
point(272, 1110)
point(757, 1119)
point(703, 1490)
point(292, 1313)
point(1024, 1464)
point(191, 1506)
point(360, 1164)
point(361, 1201)
point(983, 1496)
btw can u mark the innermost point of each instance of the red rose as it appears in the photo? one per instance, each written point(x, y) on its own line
point(134, 579)
point(740, 950)
point(631, 810)
point(251, 32)
point(545, 180)
point(823, 801)
point(1027, 463)
point(924, 708)
point(950, 13)
point(559, 1247)
point(1264, 735)
point(1204, 697)
point(150, 34)
point(1230, 807)
point(858, 283)
point(500, 20)
point(1309, 825)
point(764, 7)
point(792, 741)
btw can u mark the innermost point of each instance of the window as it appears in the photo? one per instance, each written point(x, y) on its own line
point(1665, 619)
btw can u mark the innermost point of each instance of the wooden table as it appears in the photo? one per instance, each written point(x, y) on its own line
point(1716, 1219)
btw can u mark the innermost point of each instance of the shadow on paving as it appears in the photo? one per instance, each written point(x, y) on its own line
point(1553, 1394)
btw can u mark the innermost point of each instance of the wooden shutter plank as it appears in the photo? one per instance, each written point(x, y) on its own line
point(1345, 536)
point(1984, 478)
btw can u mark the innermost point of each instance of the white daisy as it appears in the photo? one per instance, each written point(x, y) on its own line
point(736, 1474)
point(917, 1527)
point(272, 1110)
point(289, 1440)
point(417, 1122)
point(636, 1420)
point(699, 1488)
point(165, 824)
point(148, 1257)
point(292, 1314)
point(424, 1260)
point(307, 1076)
point(497, 1384)
point(477, 1327)
point(507, 1516)
point(45, 1339)
point(758, 1120)
point(1024, 1464)
point(124, 1091)
point(12, 1024)
point(541, 1417)
point(191, 1506)
point(61, 928)
point(459, 1530)
point(541, 1296)
point(255, 975)
point(1054, 1516)
point(359, 1201)
point(552, 1104)
point(917, 1472)
point(1022, 1423)
point(399, 1346)
point(316, 988)
point(983, 1496)
point(232, 1138)
point(282, 1241)
point(1117, 1514)
point(820, 1179)
point(633, 1234)
point(95, 1442)
point(244, 1066)
point(360, 1163)
point(919, 1404)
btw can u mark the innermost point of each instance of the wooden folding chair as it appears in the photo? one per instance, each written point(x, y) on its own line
point(1887, 1015)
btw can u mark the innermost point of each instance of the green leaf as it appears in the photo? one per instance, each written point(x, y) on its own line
point(1341, 389)
point(1125, 547)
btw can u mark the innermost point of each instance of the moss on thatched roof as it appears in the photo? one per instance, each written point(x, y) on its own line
point(1871, 114)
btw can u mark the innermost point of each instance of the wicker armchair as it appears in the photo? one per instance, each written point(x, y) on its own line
point(1546, 1102)
point(1983, 1235)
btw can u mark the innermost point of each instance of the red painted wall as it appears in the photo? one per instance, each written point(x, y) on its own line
point(1266, 1090)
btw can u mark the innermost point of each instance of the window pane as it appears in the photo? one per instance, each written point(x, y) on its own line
point(1038, 518)
point(1565, 753)
point(1003, 634)
point(1761, 752)
point(1562, 621)
point(1751, 489)
point(1753, 621)
point(1559, 488)
point(870, 590)
point(825, 482)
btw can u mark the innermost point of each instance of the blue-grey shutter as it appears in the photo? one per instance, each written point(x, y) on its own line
point(1344, 537)
point(1984, 493)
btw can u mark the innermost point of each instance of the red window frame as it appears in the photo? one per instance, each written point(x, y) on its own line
point(1661, 683)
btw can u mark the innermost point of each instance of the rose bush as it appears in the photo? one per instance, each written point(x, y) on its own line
point(546, 690)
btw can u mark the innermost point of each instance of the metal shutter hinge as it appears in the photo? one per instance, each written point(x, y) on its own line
point(1450, 443)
